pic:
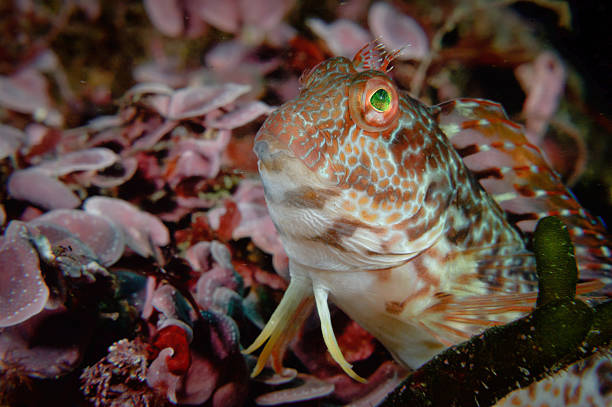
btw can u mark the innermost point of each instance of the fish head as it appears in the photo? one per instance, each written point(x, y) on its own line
point(354, 164)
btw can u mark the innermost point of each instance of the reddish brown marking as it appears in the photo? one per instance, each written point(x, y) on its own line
point(604, 373)
point(473, 321)
point(395, 307)
point(383, 275)
point(457, 237)
point(468, 124)
point(422, 270)
point(532, 392)
point(468, 150)
point(452, 330)
point(418, 229)
point(488, 173)
point(307, 197)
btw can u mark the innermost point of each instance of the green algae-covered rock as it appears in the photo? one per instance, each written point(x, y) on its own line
point(555, 262)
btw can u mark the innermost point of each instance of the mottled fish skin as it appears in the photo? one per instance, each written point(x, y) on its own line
point(587, 383)
point(377, 211)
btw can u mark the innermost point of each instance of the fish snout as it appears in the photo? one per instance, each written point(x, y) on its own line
point(262, 150)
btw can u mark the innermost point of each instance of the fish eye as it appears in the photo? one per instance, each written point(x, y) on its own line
point(373, 101)
point(381, 100)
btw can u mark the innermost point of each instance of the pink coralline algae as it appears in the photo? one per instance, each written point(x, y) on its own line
point(197, 101)
point(35, 186)
point(11, 139)
point(254, 222)
point(189, 365)
point(543, 81)
point(91, 159)
point(398, 31)
point(143, 232)
point(47, 345)
point(23, 292)
point(175, 18)
point(101, 235)
point(342, 37)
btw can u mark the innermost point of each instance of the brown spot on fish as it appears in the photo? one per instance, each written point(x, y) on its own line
point(488, 173)
point(308, 197)
point(524, 190)
point(457, 237)
point(394, 307)
point(341, 229)
point(383, 275)
point(468, 150)
point(604, 373)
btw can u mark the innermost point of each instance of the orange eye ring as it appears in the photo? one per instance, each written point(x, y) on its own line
point(373, 102)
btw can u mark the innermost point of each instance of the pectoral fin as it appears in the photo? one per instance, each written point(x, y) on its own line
point(328, 334)
point(283, 324)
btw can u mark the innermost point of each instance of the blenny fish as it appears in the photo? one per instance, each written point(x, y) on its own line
point(414, 220)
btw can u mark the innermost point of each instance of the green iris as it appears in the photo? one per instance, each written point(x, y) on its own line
point(381, 100)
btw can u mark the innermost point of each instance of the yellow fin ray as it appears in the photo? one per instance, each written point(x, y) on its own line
point(285, 320)
point(328, 334)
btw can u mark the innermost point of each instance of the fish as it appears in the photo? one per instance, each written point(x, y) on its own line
point(414, 220)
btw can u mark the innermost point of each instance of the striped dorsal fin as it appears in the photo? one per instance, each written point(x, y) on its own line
point(515, 173)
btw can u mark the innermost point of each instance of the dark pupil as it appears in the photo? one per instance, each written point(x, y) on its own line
point(380, 100)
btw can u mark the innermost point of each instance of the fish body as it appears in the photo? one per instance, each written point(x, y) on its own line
point(382, 206)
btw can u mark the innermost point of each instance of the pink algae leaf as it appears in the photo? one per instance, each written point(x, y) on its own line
point(160, 378)
point(101, 235)
point(226, 55)
point(84, 160)
point(309, 388)
point(24, 92)
point(342, 37)
point(224, 15)
point(398, 31)
point(141, 229)
point(193, 157)
point(200, 380)
point(35, 186)
point(229, 395)
point(191, 164)
point(166, 16)
point(47, 345)
point(138, 91)
point(23, 292)
point(240, 116)
point(199, 100)
point(194, 387)
point(543, 80)
point(129, 166)
point(264, 14)
point(11, 139)
point(387, 377)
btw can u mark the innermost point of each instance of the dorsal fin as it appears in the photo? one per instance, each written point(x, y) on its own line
point(515, 173)
point(372, 56)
